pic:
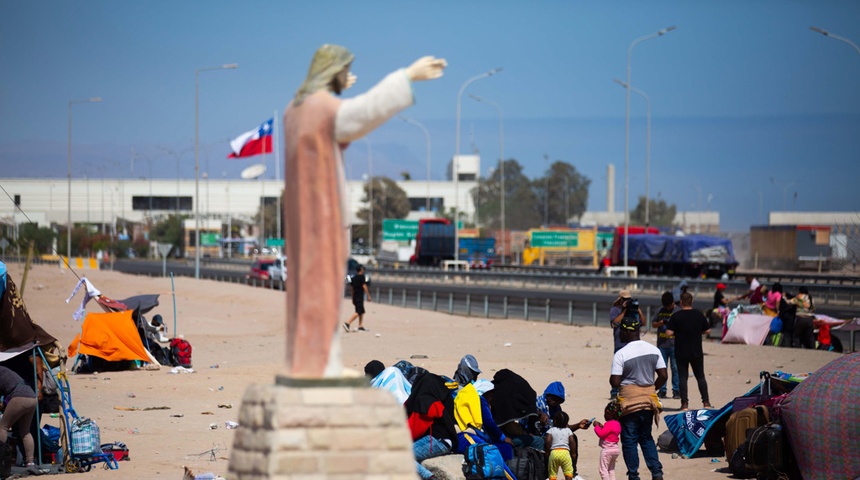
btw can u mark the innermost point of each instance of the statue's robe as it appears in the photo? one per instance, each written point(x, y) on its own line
point(315, 132)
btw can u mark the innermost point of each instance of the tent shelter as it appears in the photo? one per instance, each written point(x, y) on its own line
point(821, 417)
point(110, 336)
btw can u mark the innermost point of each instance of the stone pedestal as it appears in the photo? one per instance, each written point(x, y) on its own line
point(318, 429)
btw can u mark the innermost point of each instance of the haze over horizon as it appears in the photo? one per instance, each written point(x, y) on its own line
point(745, 97)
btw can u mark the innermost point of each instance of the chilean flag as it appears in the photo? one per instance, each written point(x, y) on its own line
point(252, 143)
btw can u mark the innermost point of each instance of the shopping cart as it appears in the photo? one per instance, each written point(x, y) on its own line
point(80, 436)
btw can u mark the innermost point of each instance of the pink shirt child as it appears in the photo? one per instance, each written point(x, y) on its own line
point(609, 433)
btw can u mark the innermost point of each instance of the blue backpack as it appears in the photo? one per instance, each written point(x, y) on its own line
point(483, 461)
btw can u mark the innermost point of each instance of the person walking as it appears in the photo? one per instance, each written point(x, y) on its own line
point(634, 369)
point(666, 342)
point(688, 326)
point(358, 283)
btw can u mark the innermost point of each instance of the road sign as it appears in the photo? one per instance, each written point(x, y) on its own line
point(275, 242)
point(209, 239)
point(399, 230)
point(555, 238)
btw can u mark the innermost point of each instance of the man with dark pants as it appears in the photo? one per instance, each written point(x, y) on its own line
point(634, 368)
point(359, 290)
point(666, 342)
point(688, 326)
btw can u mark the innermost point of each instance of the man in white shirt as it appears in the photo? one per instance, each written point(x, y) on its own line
point(633, 372)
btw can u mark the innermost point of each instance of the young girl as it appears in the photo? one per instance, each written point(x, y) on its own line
point(558, 442)
point(609, 434)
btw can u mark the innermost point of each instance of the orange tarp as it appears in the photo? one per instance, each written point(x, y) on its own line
point(111, 336)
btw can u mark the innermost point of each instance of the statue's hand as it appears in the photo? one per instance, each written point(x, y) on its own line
point(350, 80)
point(426, 68)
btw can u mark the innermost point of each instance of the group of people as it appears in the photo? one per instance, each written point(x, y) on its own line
point(797, 324)
point(446, 415)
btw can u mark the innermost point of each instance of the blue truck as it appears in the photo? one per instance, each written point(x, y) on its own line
point(479, 252)
point(688, 256)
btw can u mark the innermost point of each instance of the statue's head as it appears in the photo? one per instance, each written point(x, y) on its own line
point(329, 70)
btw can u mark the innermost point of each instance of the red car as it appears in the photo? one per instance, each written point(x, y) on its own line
point(259, 271)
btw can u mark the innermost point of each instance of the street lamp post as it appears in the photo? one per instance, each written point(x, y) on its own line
point(836, 37)
point(427, 139)
point(546, 194)
point(69, 154)
point(501, 169)
point(227, 66)
point(639, 40)
point(647, 148)
point(370, 196)
point(457, 158)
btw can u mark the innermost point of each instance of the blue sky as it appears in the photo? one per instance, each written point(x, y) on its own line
point(742, 92)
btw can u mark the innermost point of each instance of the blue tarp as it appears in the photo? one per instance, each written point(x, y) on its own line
point(689, 428)
point(687, 249)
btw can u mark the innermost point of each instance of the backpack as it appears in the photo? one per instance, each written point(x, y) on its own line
point(180, 352)
point(528, 464)
point(741, 421)
point(483, 461)
point(667, 442)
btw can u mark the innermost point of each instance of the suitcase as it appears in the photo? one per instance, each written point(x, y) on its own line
point(767, 450)
point(740, 422)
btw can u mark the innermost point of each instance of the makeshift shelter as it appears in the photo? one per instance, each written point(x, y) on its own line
point(821, 417)
point(110, 336)
point(748, 328)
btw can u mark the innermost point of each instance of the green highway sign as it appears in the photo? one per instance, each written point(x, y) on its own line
point(399, 230)
point(274, 242)
point(209, 239)
point(555, 238)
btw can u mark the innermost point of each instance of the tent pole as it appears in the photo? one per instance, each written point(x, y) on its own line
point(173, 294)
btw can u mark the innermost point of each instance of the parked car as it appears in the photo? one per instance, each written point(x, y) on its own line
point(278, 270)
point(260, 270)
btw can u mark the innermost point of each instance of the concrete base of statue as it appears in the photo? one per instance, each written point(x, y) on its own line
point(318, 429)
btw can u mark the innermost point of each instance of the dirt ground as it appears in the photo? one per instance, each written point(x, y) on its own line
point(237, 336)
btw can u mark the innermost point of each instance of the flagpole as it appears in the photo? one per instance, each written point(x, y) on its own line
point(277, 150)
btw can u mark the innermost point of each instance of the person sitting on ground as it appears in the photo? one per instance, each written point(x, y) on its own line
point(373, 368)
point(513, 401)
point(392, 380)
point(467, 370)
point(430, 416)
point(560, 444)
point(409, 371)
point(19, 406)
point(486, 390)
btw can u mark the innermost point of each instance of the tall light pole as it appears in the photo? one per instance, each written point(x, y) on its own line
point(835, 37)
point(69, 154)
point(546, 194)
point(639, 40)
point(501, 168)
point(228, 66)
point(370, 195)
point(456, 168)
point(647, 148)
point(427, 140)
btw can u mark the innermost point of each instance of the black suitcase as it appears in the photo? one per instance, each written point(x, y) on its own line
point(767, 450)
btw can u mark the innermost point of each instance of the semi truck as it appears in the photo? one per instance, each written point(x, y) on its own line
point(686, 256)
point(434, 242)
point(479, 252)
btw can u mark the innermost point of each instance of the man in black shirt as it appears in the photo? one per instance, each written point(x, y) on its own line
point(359, 290)
point(688, 326)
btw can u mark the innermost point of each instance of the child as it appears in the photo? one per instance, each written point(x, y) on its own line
point(558, 442)
point(609, 434)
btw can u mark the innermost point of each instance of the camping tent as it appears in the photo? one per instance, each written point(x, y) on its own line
point(111, 336)
point(821, 417)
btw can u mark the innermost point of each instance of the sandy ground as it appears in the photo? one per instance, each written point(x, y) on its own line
point(237, 335)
